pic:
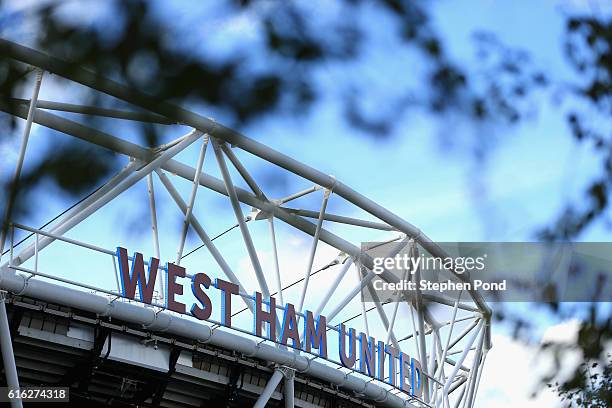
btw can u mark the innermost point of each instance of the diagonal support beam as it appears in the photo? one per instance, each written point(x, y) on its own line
point(154, 233)
point(332, 288)
point(298, 195)
point(279, 283)
point(192, 197)
point(248, 241)
point(459, 363)
point(341, 219)
point(383, 315)
point(97, 111)
point(203, 235)
point(22, 151)
point(243, 172)
point(313, 249)
point(109, 196)
point(269, 389)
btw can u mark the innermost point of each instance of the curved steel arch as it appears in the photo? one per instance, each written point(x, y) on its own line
point(156, 160)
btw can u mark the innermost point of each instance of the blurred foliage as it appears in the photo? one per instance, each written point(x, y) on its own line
point(588, 389)
point(588, 46)
point(281, 77)
point(141, 50)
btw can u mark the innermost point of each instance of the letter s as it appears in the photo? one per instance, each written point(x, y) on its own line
point(199, 280)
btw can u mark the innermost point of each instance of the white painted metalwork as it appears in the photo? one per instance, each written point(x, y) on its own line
point(451, 383)
point(313, 250)
point(192, 197)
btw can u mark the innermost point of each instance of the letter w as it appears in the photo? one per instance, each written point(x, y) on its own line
point(129, 279)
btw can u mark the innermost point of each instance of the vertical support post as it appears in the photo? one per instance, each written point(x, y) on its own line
point(420, 319)
point(12, 244)
point(153, 210)
point(289, 388)
point(116, 274)
point(432, 362)
point(459, 362)
point(19, 166)
point(383, 317)
point(8, 357)
point(313, 249)
point(364, 313)
point(484, 358)
point(192, 197)
point(35, 252)
point(414, 330)
point(459, 399)
point(269, 389)
point(448, 339)
point(246, 236)
point(474, 371)
point(154, 231)
point(334, 286)
point(397, 302)
point(279, 285)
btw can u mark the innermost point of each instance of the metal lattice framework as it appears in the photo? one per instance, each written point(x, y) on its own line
point(442, 345)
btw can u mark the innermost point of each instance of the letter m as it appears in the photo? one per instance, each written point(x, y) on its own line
point(315, 335)
point(136, 276)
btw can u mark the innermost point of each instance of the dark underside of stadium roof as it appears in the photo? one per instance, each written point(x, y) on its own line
point(110, 363)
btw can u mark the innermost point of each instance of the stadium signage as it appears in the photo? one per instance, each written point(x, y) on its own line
point(376, 359)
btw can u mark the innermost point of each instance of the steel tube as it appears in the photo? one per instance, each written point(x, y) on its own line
point(289, 391)
point(243, 172)
point(154, 231)
point(364, 312)
point(96, 111)
point(298, 195)
point(481, 369)
point(246, 236)
point(313, 249)
point(192, 197)
point(474, 372)
point(333, 286)
point(358, 288)
point(384, 319)
point(450, 333)
point(269, 389)
point(341, 219)
point(463, 334)
point(460, 361)
point(8, 357)
point(20, 159)
point(279, 284)
point(124, 173)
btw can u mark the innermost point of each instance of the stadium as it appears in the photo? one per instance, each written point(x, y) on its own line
point(68, 318)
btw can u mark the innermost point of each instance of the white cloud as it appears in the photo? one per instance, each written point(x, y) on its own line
point(565, 333)
point(511, 375)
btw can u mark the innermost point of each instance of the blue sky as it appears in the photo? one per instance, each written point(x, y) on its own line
point(523, 184)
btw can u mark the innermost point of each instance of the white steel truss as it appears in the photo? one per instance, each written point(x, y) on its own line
point(434, 342)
